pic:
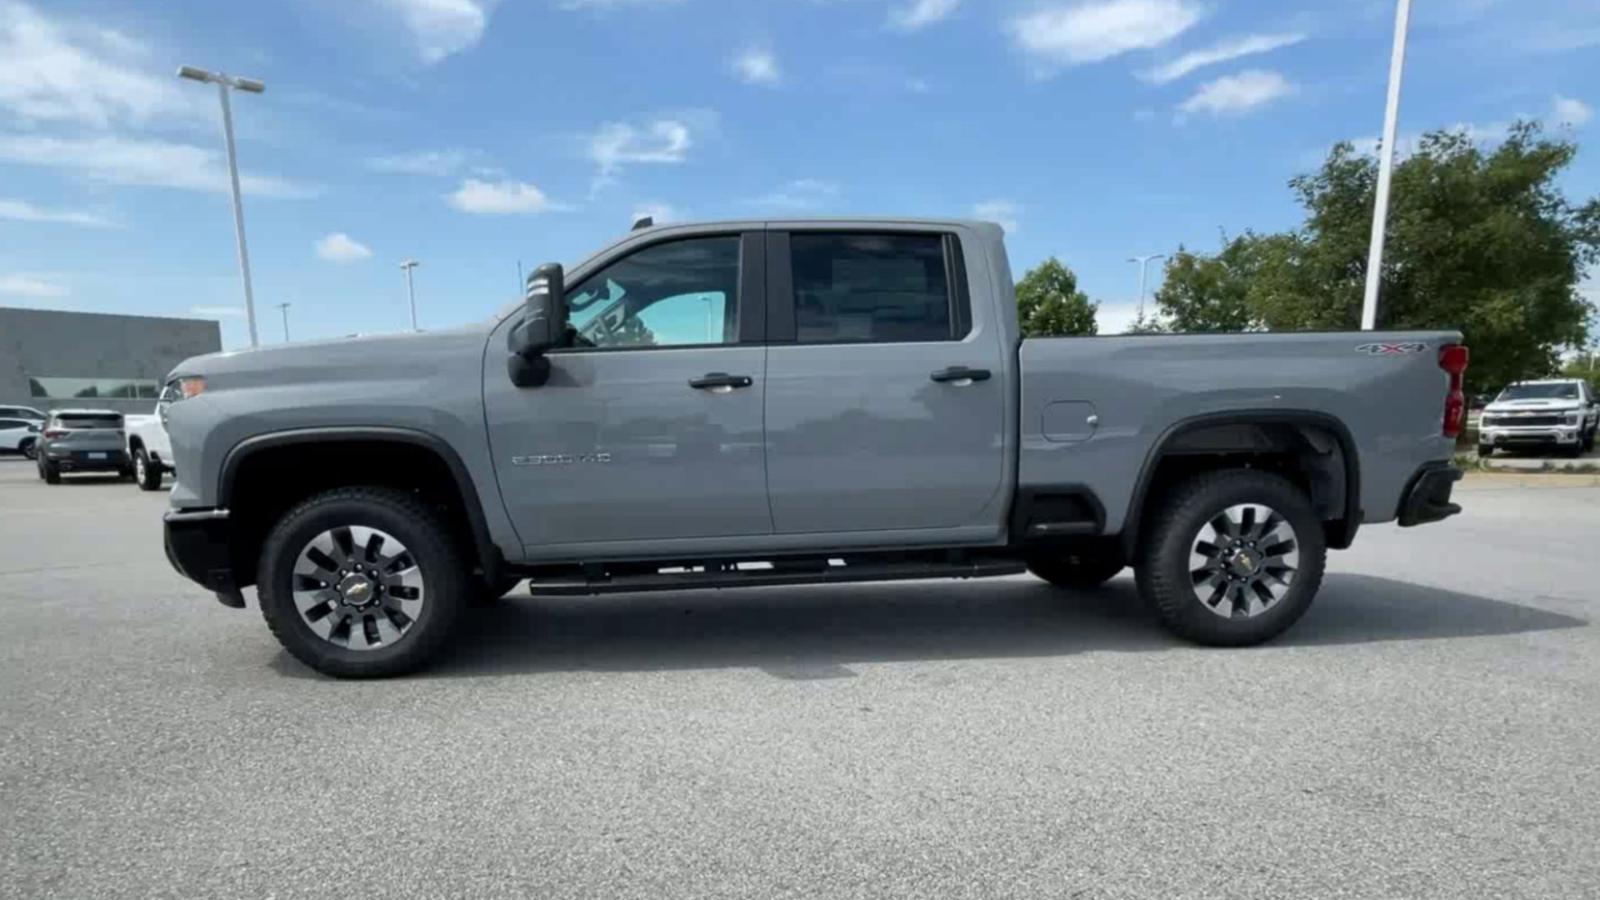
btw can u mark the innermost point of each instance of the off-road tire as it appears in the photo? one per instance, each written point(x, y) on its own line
point(1163, 567)
point(1076, 569)
point(146, 471)
point(430, 539)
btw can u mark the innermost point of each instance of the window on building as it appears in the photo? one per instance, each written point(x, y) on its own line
point(65, 388)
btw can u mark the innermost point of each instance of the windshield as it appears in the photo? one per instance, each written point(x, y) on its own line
point(1566, 391)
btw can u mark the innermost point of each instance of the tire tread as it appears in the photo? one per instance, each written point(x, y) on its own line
point(1174, 602)
point(450, 591)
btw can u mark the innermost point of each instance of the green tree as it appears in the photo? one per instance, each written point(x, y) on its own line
point(1587, 367)
point(1049, 303)
point(1478, 239)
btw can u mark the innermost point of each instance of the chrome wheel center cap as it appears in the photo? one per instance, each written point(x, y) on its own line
point(357, 590)
point(1245, 563)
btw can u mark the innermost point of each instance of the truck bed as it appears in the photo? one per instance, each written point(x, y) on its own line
point(1095, 410)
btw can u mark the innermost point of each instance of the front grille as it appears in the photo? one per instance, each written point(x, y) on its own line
point(1529, 421)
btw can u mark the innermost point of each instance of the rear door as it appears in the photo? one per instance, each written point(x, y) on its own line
point(885, 403)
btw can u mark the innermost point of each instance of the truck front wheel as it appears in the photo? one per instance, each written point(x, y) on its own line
point(146, 471)
point(1234, 557)
point(363, 582)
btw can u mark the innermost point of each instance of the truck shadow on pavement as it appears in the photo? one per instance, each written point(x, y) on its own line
point(816, 632)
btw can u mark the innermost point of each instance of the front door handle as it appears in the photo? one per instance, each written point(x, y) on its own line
point(960, 374)
point(720, 382)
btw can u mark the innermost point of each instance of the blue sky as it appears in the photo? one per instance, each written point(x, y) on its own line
point(474, 134)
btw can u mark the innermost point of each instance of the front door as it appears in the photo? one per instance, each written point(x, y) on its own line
point(649, 427)
point(885, 389)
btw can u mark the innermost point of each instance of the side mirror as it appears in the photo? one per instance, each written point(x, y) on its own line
point(544, 323)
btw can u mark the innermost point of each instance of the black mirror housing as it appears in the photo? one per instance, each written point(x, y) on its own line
point(544, 323)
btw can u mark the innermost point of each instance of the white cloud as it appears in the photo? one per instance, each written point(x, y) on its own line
point(658, 213)
point(617, 144)
point(340, 247)
point(23, 211)
point(1571, 111)
point(60, 71)
point(918, 14)
point(499, 198)
point(801, 194)
point(218, 311)
point(1237, 94)
point(1004, 212)
point(1073, 34)
point(422, 162)
point(140, 163)
point(757, 65)
point(440, 28)
point(31, 286)
point(1218, 53)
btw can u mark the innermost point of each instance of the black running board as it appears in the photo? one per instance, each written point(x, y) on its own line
point(821, 571)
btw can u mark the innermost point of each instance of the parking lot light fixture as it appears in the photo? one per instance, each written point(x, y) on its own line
point(224, 84)
point(411, 291)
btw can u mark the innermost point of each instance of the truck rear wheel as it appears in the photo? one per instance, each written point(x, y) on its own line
point(1076, 569)
point(363, 582)
point(1234, 558)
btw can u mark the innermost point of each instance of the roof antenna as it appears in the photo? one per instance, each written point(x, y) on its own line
point(643, 222)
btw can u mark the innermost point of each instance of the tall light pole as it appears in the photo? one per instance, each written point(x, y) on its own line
point(411, 291)
point(249, 86)
point(1380, 209)
point(284, 308)
point(1144, 262)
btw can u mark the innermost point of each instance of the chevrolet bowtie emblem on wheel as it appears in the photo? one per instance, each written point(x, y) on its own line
point(1387, 348)
point(560, 459)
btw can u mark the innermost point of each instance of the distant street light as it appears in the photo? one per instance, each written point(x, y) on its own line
point(411, 291)
point(249, 86)
point(1144, 261)
point(1380, 209)
point(284, 308)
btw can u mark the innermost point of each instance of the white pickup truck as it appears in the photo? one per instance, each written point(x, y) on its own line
point(149, 447)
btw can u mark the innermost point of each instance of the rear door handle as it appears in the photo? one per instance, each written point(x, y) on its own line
point(720, 382)
point(960, 374)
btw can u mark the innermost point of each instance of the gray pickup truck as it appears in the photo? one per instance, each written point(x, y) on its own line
point(790, 402)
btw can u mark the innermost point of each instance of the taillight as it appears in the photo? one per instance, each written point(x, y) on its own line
point(55, 432)
point(1453, 360)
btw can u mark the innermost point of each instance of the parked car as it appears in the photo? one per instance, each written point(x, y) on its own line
point(149, 448)
point(82, 440)
point(19, 436)
point(1558, 414)
point(21, 412)
point(797, 402)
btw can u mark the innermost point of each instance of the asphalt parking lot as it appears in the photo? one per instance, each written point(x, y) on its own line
point(1430, 729)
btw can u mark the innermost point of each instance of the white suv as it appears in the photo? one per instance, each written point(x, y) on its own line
point(1560, 413)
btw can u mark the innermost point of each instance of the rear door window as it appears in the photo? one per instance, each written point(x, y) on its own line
point(877, 288)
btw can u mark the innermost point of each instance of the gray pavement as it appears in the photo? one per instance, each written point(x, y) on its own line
point(1430, 729)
